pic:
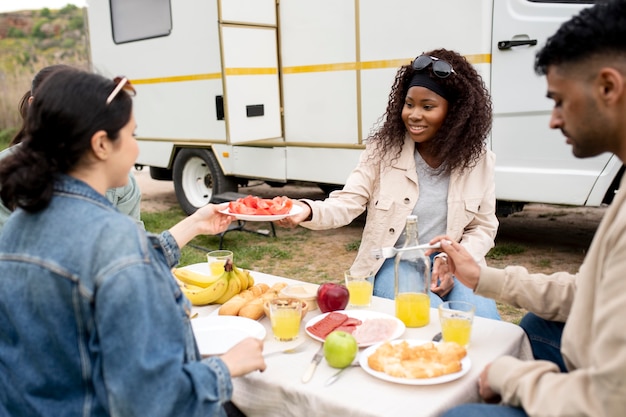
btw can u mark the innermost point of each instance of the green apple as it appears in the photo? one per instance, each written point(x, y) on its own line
point(340, 349)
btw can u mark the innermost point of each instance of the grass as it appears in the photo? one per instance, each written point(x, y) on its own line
point(505, 249)
point(252, 249)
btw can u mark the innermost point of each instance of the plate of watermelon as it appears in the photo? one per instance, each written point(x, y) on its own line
point(252, 208)
point(367, 327)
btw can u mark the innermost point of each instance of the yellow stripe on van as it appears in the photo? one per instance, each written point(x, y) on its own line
point(178, 78)
point(302, 69)
point(251, 71)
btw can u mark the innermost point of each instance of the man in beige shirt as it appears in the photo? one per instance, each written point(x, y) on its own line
point(585, 66)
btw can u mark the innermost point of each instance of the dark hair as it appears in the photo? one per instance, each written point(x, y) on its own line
point(461, 138)
point(23, 104)
point(596, 30)
point(68, 109)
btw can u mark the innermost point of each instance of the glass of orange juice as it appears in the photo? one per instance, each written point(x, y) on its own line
point(456, 321)
point(413, 308)
point(360, 286)
point(217, 259)
point(285, 316)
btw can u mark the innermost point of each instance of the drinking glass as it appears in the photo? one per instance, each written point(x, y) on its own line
point(360, 286)
point(285, 316)
point(456, 321)
point(217, 259)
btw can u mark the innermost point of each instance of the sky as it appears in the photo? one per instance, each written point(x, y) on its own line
point(13, 5)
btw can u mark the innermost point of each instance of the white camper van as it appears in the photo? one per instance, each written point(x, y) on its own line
point(288, 90)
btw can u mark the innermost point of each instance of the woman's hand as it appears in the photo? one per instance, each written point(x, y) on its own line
point(293, 221)
point(461, 264)
point(442, 280)
point(206, 220)
point(210, 221)
point(245, 357)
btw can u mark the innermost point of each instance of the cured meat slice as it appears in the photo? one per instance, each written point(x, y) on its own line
point(374, 330)
point(329, 323)
point(349, 325)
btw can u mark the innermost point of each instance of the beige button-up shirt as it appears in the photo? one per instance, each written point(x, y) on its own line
point(389, 193)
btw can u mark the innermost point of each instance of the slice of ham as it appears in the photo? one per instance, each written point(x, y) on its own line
point(329, 323)
point(374, 330)
point(349, 325)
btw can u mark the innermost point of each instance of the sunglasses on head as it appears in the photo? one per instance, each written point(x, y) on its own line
point(121, 83)
point(441, 68)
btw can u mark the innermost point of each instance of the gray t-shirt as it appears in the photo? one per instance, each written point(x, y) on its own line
point(431, 208)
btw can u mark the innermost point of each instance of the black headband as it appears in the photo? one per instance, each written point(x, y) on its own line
point(422, 80)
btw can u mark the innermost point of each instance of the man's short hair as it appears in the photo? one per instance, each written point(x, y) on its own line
point(596, 30)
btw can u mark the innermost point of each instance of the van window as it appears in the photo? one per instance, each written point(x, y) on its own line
point(140, 19)
point(564, 1)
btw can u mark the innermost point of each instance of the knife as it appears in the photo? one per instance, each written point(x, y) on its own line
point(308, 374)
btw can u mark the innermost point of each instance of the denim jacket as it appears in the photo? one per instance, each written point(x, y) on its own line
point(92, 322)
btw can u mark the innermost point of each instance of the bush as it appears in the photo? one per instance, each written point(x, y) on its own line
point(5, 137)
point(76, 23)
point(15, 33)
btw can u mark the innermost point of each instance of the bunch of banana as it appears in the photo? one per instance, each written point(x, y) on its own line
point(203, 289)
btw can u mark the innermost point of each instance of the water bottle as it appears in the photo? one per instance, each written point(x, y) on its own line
point(412, 280)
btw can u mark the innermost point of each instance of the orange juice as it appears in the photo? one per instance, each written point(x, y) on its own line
point(454, 329)
point(360, 293)
point(413, 309)
point(217, 268)
point(285, 323)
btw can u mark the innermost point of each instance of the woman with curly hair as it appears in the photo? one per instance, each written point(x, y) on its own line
point(427, 158)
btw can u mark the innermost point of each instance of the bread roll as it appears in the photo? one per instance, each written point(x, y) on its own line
point(278, 286)
point(258, 289)
point(252, 309)
point(232, 306)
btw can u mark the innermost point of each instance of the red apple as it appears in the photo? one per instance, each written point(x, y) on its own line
point(332, 297)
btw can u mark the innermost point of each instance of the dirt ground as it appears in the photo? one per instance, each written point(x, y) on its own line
point(543, 238)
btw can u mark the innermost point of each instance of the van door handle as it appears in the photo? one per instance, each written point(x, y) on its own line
point(502, 45)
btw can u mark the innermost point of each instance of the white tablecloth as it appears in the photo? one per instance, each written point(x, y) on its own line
point(279, 391)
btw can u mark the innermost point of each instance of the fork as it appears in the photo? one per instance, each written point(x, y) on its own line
point(336, 375)
point(390, 252)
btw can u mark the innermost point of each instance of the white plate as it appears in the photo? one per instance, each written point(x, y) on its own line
point(361, 315)
point(295, 209)
point(466, 364)
point(216, 334)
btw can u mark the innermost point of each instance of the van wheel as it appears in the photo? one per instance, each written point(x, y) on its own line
point(197, 177)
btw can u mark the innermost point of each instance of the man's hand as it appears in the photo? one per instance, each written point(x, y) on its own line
point(484, 390)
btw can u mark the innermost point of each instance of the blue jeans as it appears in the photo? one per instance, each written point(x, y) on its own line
point(545, 338)
point(384, 286)
point(484, 410)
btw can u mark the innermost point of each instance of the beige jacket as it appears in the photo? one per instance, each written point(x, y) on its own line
point(594, 339)
point(389, 194)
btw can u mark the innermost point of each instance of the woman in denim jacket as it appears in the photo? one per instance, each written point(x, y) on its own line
point(91, 321)
point(127, 198)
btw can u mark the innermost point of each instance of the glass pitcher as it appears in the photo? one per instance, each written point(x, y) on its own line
point(412, 280)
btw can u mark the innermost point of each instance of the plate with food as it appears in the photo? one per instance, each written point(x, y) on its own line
point(216, 334)
point(415, 362)
point(367, 327)
point(251, 208)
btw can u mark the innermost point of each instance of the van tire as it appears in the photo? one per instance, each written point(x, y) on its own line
point(197, 177)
